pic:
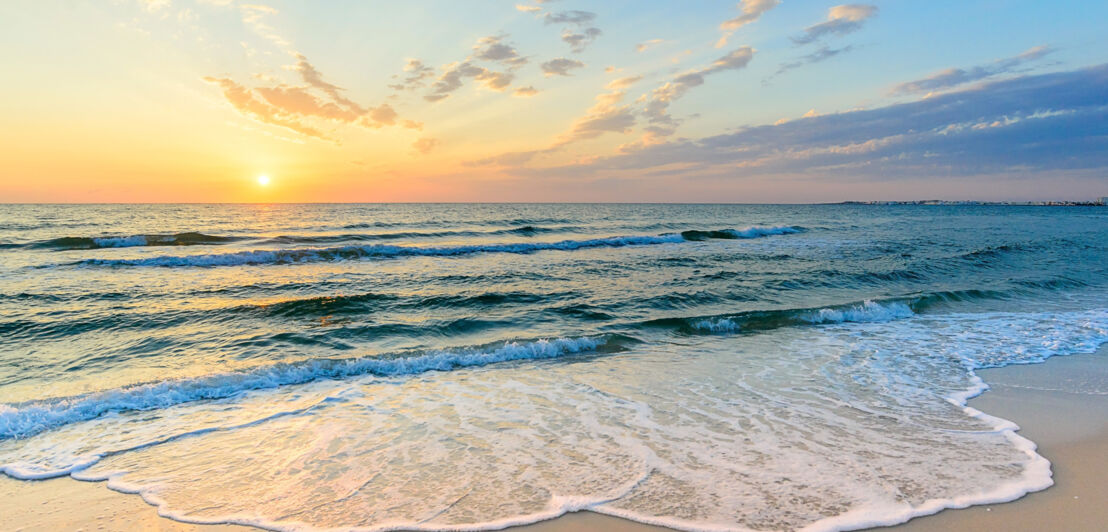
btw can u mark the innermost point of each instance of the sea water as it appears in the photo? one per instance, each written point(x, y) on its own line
point(461, 367)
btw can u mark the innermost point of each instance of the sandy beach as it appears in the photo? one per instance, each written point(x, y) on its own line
point(1062, 405)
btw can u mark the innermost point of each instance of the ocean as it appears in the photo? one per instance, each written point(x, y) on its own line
point(466, 367)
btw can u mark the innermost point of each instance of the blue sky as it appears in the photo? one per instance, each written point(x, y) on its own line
point(554, 100)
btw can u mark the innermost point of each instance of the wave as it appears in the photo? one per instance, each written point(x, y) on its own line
point(527, 230)
point(27, 419)
point(290, 256)
point(178, 239)
point(867, 311)
point(749, 232)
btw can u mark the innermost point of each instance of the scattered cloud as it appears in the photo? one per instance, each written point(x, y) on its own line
point(154, 5)
point(417, 74)
point(424, 145)
point(527, 9)
point(752, 10)
point(953, 77)
point(454, 75)
point(525, 92)
point(579, 18)
point(841, 20)
point(579, 41)
point(493, 48)
point(560, 66)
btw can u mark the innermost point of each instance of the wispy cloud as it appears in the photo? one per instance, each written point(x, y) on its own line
point(822, 54)
point(752, 10)
point(657, 106)
point(953, 77)
point(645, 45)
point(290, 106)
point(841, 20)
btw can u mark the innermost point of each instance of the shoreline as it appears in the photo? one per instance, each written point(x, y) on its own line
point(1061, 405)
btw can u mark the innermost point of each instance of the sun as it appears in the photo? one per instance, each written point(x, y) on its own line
point(263, 180)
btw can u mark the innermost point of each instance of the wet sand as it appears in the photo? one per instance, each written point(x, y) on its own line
point(1061, 405)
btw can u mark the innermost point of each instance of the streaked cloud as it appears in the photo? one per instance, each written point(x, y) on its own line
point(752, 10)
point(953, 77)
point(1041, 123)
point(822, 54)
point(841, 20)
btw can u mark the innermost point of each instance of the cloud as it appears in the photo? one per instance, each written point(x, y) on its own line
point(417, 74)
point(822, 54)
point(288, 106)
point(643, 46)
point(313, 78)
point(657, 105)
point(623, 83)
point(424, 145)
point(579, 41)
point(525, 92)
point(752, 10)
point(527, 8)
point(560, 66)
point(245, 101)
point(493, 48)
point(841, 20)
point(154, 5)
point(455, 74)
point(579, 18)
point(953, 77)
point(605, 116)
point(1044, 123)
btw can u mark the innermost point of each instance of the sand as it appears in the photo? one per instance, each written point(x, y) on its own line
point(1062, 405)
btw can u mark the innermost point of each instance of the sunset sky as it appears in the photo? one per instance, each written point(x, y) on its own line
point(755, 101)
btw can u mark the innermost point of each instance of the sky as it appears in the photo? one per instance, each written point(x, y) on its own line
point(780, 101)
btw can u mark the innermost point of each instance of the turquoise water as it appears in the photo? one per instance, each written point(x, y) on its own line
point(475, 366)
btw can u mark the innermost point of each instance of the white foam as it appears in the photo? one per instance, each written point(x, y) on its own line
point(19, 421)
point(866, 312)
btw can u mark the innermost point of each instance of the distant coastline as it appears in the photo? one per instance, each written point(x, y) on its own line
point(1102, 202)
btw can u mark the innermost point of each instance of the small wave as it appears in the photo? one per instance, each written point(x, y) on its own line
point(763, 320)
point(178, 239)
point(289, 256)
point(527, 230)
point(749, 232)
point(27, 419)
